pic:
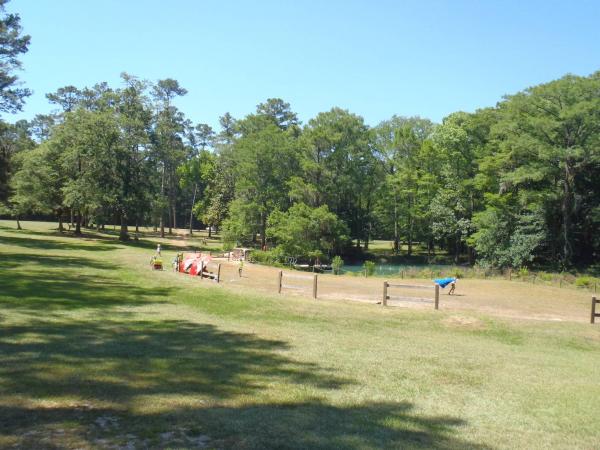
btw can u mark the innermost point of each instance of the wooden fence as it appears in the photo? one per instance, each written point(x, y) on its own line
point(386, 297)
point(594, 314)
point(282, 277)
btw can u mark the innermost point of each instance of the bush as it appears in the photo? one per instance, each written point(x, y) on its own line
point(545, 276)
point(457, 273)
point(269, 257)
point(523, 272)
point(584, 281)
point(369, 268)
point(336, 264)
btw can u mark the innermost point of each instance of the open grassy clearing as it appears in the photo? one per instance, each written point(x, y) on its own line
point(99, 352)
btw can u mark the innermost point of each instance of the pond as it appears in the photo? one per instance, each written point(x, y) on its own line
point(390, 270)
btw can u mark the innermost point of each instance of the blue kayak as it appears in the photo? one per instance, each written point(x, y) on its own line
point(443, 282)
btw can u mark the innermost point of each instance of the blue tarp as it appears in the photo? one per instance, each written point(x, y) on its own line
point(443, 282)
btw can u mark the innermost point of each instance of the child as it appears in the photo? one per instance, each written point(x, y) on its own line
point(452, 286)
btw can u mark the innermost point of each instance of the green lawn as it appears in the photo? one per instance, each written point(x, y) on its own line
point(97, 351)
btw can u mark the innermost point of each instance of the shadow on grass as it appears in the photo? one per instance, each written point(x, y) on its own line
point(37, 284)
point(52, 244)
point(167, 365)
point(91, 240)
point(302, 425)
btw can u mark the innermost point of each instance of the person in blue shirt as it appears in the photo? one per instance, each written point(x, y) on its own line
point(443, 282)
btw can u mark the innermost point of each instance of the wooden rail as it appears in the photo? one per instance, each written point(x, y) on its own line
point(594, 313)
point(386, 297)
point(211, 275)
point(281, 285)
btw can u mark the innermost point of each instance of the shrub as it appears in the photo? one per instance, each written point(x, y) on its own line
point(425, 273)
point(369, 268)
point(545, 276)
point(269, 257)
point(584, 281)
point(336, 264)
point(523, 272)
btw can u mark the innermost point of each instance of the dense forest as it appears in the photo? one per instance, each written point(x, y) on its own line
point(506, 186)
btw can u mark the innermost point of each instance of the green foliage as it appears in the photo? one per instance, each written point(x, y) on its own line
point(305, 232)
point(272, 257)
point(584, 281)
point(505, 238)
point(369, 268)
point(12, 45)
point(336, 264)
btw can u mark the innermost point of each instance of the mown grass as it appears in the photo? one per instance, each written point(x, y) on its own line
point(98, 351)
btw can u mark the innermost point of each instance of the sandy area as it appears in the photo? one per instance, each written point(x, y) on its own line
point(496, 297)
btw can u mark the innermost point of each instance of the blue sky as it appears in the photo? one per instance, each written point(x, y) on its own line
point(375, 58)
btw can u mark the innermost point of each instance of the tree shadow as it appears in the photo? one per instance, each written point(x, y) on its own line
point(316, 425)
point(33, 283)
point(51, 244)
point(117, 363)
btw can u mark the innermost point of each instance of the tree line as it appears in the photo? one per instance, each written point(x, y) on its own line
point(507, 186)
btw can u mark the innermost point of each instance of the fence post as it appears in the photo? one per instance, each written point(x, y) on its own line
point(510, 274)
point(315, 287)
point(279, 281)
point(218, 272)
point(593, 316)
point(385, 296)
point(201, 270)
point(437, 296)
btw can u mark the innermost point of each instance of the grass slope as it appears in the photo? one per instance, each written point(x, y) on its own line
point(99, 352)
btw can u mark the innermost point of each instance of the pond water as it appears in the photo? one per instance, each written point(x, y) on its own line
point(386, 269)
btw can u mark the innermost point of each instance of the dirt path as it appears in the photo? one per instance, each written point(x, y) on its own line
point(495, 297)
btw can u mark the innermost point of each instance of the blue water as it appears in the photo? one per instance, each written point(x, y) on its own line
point(384, 269)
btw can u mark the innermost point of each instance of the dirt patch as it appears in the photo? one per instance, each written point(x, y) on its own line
point(465, 322)
point(494, 297)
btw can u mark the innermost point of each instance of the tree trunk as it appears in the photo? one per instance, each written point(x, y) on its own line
point(263, 231)
point(192, 210)
point(18, 223)
point(457, 249)
point(396, 237)
point(60, 223)
point(170, 219)
point(78, 224)
point(410, 227)
point(209, 231)
point(566, 213)
point(162, 197)
point(72, 218)
point(174, 217)
point(428, 251)
point(124, 233)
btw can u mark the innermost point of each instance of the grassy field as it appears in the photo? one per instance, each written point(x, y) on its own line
point(97, 351)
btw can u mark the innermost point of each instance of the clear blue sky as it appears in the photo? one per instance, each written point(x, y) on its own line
point(375, 58)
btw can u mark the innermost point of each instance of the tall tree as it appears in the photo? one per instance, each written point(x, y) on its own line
point(12, 45)
point(168, 142)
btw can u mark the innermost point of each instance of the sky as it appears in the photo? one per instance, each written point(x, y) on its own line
point(376, 58)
